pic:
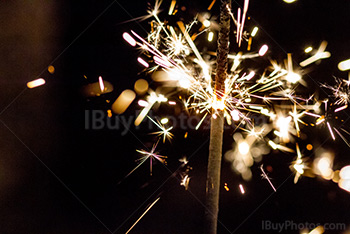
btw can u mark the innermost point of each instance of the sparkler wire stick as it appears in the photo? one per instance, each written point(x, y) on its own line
point(217, 124)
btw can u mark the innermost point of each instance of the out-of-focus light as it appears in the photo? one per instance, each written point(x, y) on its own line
point(263, 50)
point(141, 86)
point(344, 184)
point(255, 30)
point(172, 7)
point(142, 62)
point(35, 83)
point(241, 188)
point(345, 172)
point(129, 39)
point(142, 103)
point(243, 147)
point(123, 101)
point(210, 36)
point(344, 65)
point(283, 125)
point(293, 77)
point(309, 147)
point(318, 230)
point(206, 23)
point(308, 49)
point(250, 75)
point(324, 165)
point(235, 115)
point(51, 69)
point(164, 121)
point(289, 1)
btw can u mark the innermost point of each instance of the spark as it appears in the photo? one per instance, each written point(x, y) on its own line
point(241, 188)
point(255, 30)
point(298, 165)
point(185, 181)
point(320, 54)
point(100, 81)
point(152, 155)
point(165, 132)
point(266, 177)
point(226, 187)
point(142, 62)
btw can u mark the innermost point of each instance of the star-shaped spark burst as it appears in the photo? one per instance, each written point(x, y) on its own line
point(165, 132)
point(152, 155)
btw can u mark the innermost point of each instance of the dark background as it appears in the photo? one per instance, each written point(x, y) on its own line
point(58, 177)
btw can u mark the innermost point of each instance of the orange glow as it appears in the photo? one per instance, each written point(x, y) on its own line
point(51, 69)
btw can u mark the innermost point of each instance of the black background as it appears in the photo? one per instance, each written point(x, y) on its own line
point(58, 177)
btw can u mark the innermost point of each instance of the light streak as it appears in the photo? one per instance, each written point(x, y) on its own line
point(100, 81)
point(142, 62)
point(144, 213)
point(165, 132)
point(255, 30)
point(36, 83)
point(172, 7)
point(210, 36)
point(129, 39)
point(330, 130)
point(241, 188)
point(152, 155)
point(320, 54)
point(263, 50)
point(308, 49)
point(266, 177)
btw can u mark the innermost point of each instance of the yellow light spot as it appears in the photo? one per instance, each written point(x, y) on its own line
point(309, 147)
point(186, 134)
point(164, 121)
point(289, 1)
point(308, 49)
point(141, 86)
point(35, 83)
point(51, 69)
